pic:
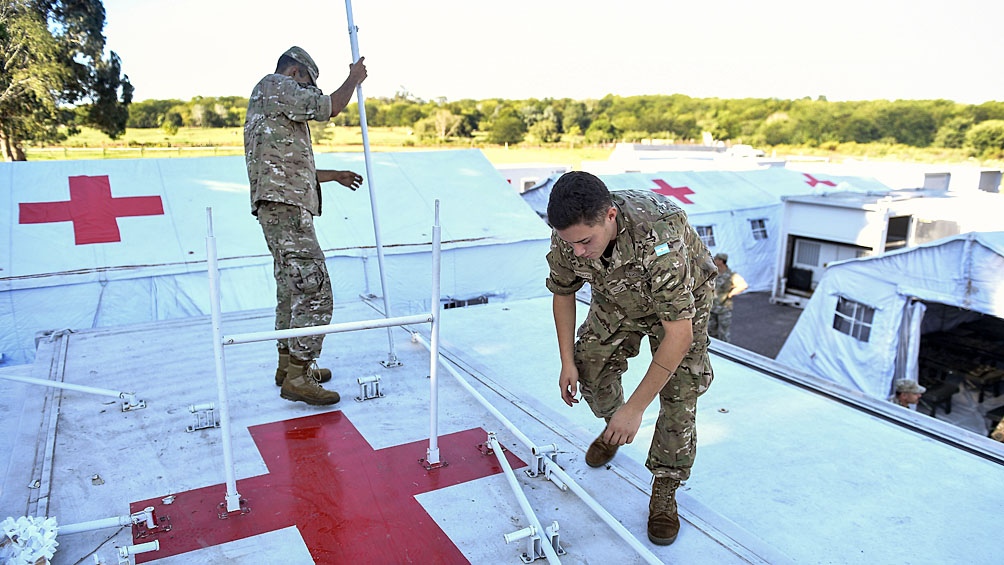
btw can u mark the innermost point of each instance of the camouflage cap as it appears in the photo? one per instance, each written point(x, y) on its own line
point(300, 56)
point(909, 386)
point(723, 256)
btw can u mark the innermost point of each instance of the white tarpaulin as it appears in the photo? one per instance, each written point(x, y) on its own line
point(738, 212)
point(964, 271)
point(110, 242)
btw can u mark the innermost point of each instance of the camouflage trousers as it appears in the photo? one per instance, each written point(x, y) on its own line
point(602, 361)
point(720, 325)
point(303, 288)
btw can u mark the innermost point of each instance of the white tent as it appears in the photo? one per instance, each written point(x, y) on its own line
point(736, 212)
point(103, 243)
point(862, 326)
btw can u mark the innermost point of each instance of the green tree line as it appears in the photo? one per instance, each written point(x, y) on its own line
point(756, 121)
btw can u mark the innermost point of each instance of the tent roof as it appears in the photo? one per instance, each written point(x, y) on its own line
point(477, 207)
point(710, 191)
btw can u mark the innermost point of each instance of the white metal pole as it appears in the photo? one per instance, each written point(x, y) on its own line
point(432, 457)
point(94, 525)
point(361, 100)
point(552, 555)
point(328, 329)
point(233, 498)
point(68, 386)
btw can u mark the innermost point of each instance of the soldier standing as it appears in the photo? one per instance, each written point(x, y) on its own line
point(650, 275)
point(285, 196)
point(727, 285)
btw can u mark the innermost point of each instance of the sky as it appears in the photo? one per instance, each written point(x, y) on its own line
point(579, 49)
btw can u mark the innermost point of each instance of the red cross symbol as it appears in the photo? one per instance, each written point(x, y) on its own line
point(92, 209)
point(350, 503)
point(813, 181)
point(680, 193)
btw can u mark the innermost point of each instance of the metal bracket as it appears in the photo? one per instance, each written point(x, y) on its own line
point(223, 513)
point(130, 402)
point(391, 362)
point(541, 455)
point(146, 523)
point(369, 388)
point(205, 417)
point(534, 549)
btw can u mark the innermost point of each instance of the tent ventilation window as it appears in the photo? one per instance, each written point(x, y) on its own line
point(707, 235)
point(759, 227)
point(853, 318)
point(455, 303)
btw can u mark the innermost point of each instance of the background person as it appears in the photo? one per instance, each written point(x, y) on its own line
point(285, 197)
point(727, 285)
point(907, 393)
point(650, 275)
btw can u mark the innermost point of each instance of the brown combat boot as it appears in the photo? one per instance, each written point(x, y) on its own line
point(299, 384)
point(663, 518)
point(320, 375)
point(600, 452)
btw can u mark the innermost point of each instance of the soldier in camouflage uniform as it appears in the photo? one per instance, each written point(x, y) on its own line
point(285, 196)
point(727, 285)
point(650, 275)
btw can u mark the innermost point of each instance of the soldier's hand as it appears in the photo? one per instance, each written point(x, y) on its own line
point(623, 426)
point(357, 71)
point(568, 382)
point(349, 179)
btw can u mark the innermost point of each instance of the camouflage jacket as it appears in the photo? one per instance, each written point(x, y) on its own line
point(724, 283)
point(657, 261)
point(277, 148)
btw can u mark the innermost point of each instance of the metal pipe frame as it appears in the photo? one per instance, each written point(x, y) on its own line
point(552, 468)
point(233, 499)
point(552, 555)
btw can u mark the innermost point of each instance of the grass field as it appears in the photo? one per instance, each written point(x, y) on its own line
point(202, 142)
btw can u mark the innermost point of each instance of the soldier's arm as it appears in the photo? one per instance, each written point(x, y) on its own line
point(624, 424)
point(345, 178)
point(563, 308)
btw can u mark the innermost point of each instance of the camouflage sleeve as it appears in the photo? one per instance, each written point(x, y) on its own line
point(667, 263)
point(562, 279)
point(303, 103)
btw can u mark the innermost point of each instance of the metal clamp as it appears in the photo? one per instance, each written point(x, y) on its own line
point(541, 455)
point(534, 550)
point(369, 388)
point(205, 416)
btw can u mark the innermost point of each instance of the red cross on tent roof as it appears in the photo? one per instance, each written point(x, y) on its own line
point(92, 209)
point(679, 192)
point(813, 181)
point(350, 503)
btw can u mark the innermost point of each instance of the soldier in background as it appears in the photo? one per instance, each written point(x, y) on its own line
point(908, 393)
point(727, 285)
point(650, 275)
point(285, 196)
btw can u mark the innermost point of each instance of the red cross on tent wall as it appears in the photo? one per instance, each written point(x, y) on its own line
point(350, 503)
point(813, 181)
point(679, 192)
point(92, 209)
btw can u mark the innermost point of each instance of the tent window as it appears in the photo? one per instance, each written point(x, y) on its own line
point(707, 234)
point(853, 318)
point(759, 227)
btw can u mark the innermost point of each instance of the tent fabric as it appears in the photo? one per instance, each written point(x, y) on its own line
point(86, 246)
point(728, 202)
point(964, 271)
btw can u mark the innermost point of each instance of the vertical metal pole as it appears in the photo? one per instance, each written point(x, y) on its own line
point(354, 42)
point(233, 500)
point(432, 457)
